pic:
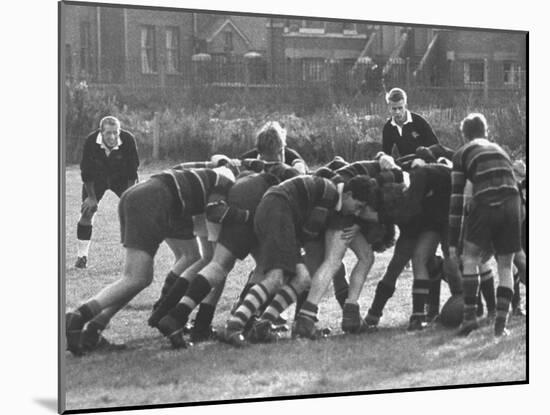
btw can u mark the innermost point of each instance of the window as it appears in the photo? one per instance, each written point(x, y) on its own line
point(474, 73)
point(228, 41)
point(312, 26)
point(85, 48)
point(314, 70)
point(512, 73)
point(148, 51)
point(292, 25)
point(349, 28)
point(172, 50)
point(68, 60)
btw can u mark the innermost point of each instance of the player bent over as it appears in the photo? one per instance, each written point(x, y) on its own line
point(358, 234)
point(147, 213)
point(494, 218)
point(236, 241)
point(289, 214)
point(109, 162)
point(270, 151)
point(421, 214)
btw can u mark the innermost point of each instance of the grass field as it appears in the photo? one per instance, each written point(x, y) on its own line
point(150, 372)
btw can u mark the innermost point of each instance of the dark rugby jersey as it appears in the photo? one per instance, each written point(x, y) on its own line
point(195, 188)
point(370, 168)
point(119, 166)
point(429, 154)
point(489, 169)
point(247, 191)
point(430, 189)
point(413, 135)
point(306, 193)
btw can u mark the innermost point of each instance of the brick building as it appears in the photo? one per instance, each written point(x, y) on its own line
point(152, 48)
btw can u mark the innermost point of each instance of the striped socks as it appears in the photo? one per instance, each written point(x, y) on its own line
point(470, 284)
point(504, 297)
point(256, 296)
point(420, 290)
point(286, 296)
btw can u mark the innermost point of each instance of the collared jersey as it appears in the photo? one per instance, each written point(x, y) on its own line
point(407, 139)
point(119, 166)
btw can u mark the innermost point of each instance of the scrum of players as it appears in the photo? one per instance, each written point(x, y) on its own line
point(297, 225)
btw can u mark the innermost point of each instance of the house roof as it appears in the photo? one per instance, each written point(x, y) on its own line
point(253, 30)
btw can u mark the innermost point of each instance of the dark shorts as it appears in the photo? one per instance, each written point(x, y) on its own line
point(495, 227)
point(149, 213)
point(238, 238)
point(276, 232)
point(100, 187)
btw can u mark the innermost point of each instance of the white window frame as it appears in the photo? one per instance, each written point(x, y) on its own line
point(352, 31)
point(514, 72)
point(314, 70)
point(146, 49)
point(172, 45)
point(467, 73)
point(312, 30)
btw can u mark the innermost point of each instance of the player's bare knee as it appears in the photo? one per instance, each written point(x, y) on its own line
point(214, 273)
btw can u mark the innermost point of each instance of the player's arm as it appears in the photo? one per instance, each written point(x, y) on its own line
point(387, 141)
point(458, 182)
point(217, 208)
point(133, 160)
point(294, 159)
point(428, 136)
point(88, 174)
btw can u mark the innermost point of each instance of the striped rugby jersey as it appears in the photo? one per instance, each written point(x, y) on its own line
point(248, 190)
point(305, 193)
point(197, 187)
point(370, 168)
point(489, 169)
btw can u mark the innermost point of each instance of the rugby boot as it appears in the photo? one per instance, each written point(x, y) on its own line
point(371, 322)
point(304, 327)
point(500, 327)
point(173, 331)
point(417, 322)
point(81, 262)
point(233, 336)
point(73, 330)
point(202, 334)
point(467, 327)
point(351, 319)
point(261, 332)
point(92, 340)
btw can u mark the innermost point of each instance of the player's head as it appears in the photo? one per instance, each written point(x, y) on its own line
point(474, 126)
point(110, 130)
point(271, 142)
point(396, 99)
point(355, 195)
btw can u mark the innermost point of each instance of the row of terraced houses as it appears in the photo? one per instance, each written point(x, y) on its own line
point(139, 47)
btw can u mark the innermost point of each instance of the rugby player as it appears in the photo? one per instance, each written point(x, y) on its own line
point(147, 213)
point(494, 220)
point(109, 162)
point(288, 215)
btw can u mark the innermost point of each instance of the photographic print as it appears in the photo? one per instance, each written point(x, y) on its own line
point(260, 206)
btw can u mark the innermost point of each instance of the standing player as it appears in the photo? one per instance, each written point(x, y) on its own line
point(147, 213)
point(493, 222)
point(405, 130)
point(109, 162)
